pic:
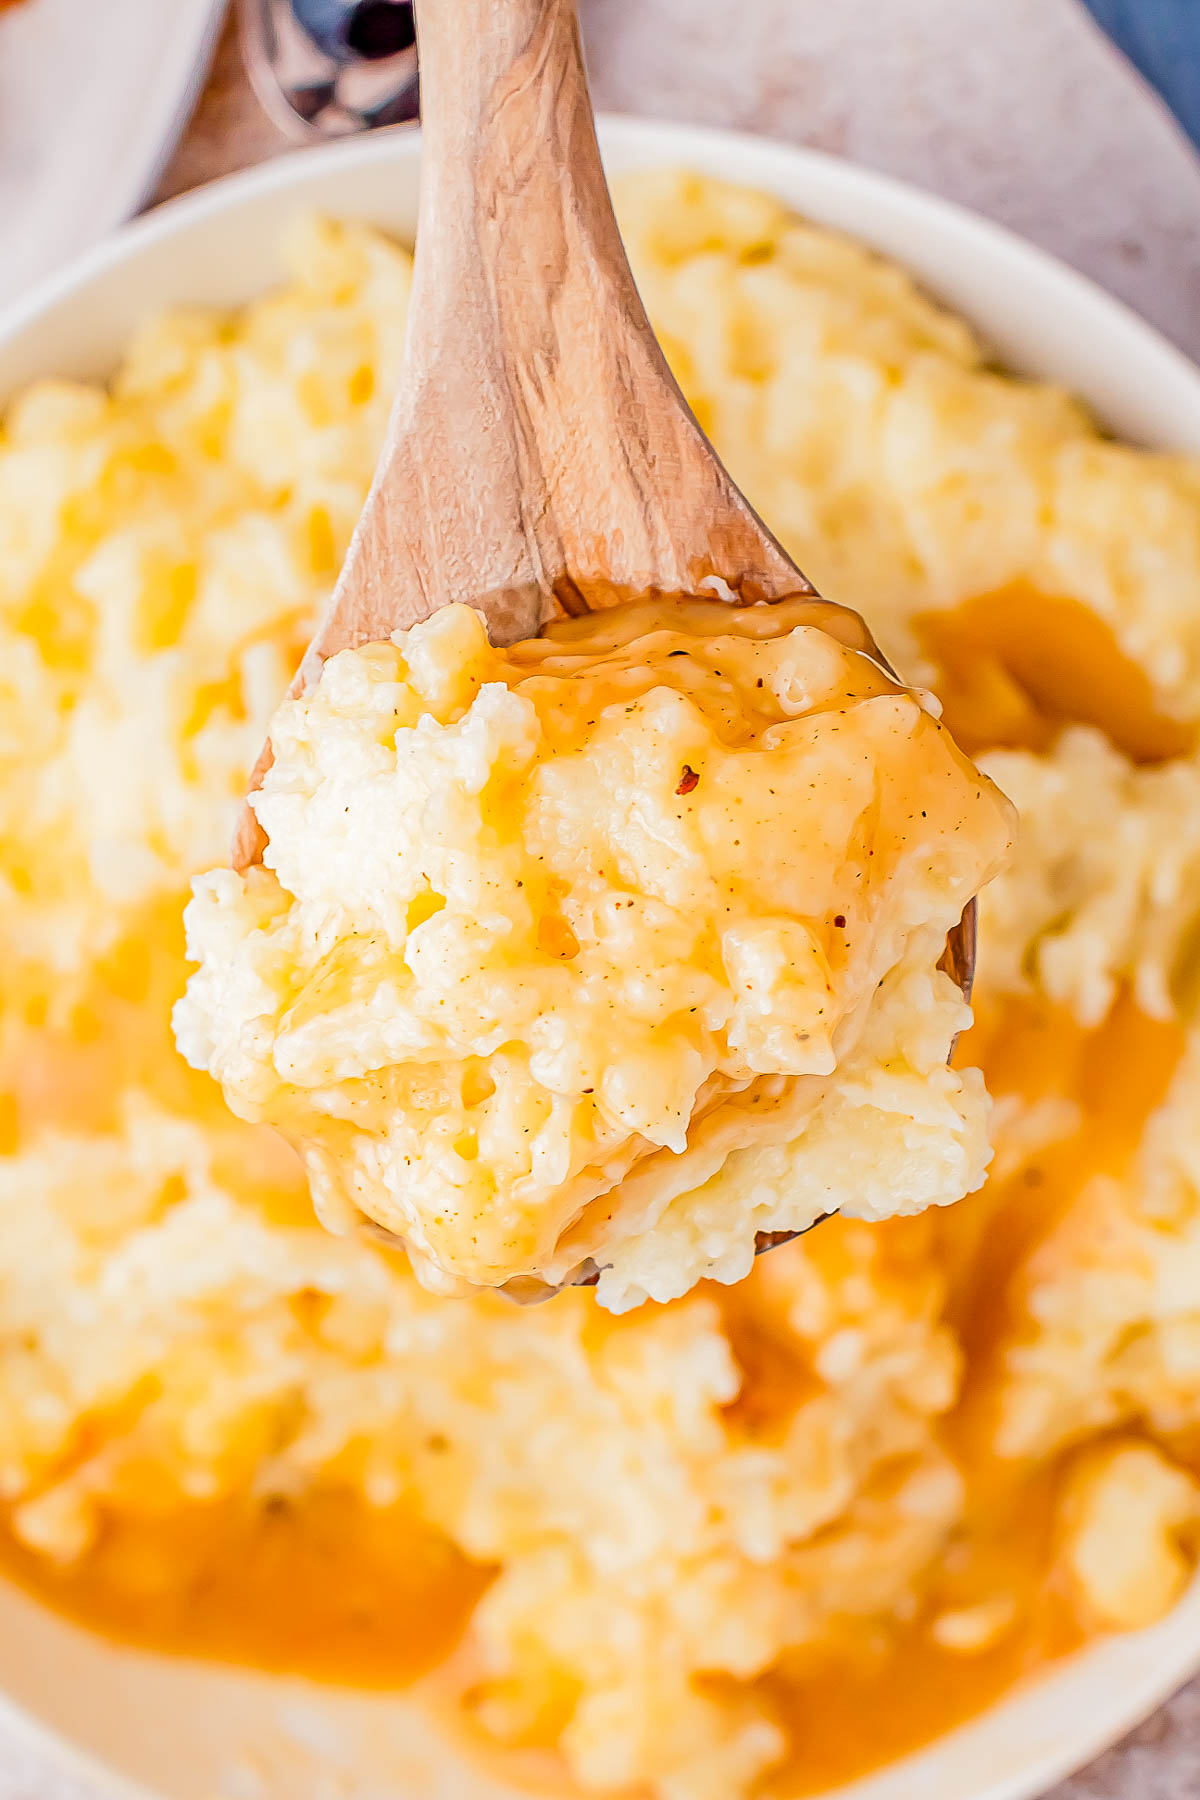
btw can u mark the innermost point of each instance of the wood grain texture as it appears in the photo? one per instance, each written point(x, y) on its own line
point(539, 448)
point(540, 457)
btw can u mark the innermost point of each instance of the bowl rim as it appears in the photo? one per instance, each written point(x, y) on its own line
point(1172, 1648)
point(850, 188)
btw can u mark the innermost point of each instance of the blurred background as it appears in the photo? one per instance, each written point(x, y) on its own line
point(1022, 109)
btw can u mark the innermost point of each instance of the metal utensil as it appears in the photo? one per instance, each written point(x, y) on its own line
point(328, 68)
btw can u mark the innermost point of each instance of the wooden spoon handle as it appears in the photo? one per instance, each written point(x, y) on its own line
point(539, 445)
point(539, 457)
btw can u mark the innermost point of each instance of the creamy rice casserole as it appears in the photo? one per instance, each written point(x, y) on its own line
point(605, 952)
point(764, 1536)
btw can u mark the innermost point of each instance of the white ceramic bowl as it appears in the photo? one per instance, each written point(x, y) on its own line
point(178, 1731)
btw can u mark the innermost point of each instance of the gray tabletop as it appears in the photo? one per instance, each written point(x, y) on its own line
point(1018, 108)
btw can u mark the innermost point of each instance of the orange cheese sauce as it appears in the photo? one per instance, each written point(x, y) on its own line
point(884, 1693)
point(1117, 1073)
point(899, 1690)
point(330, 1588)
point(1015, 666)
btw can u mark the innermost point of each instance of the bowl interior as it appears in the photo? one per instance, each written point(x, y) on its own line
point(187, 1732)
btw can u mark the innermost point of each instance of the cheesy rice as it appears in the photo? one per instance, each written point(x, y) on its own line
point(770, 1533)
point(553, 943)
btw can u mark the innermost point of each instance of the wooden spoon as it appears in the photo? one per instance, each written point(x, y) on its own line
point(540, 458)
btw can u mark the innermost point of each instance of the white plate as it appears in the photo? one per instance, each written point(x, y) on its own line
point(93, 94)
point(188, 1732)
